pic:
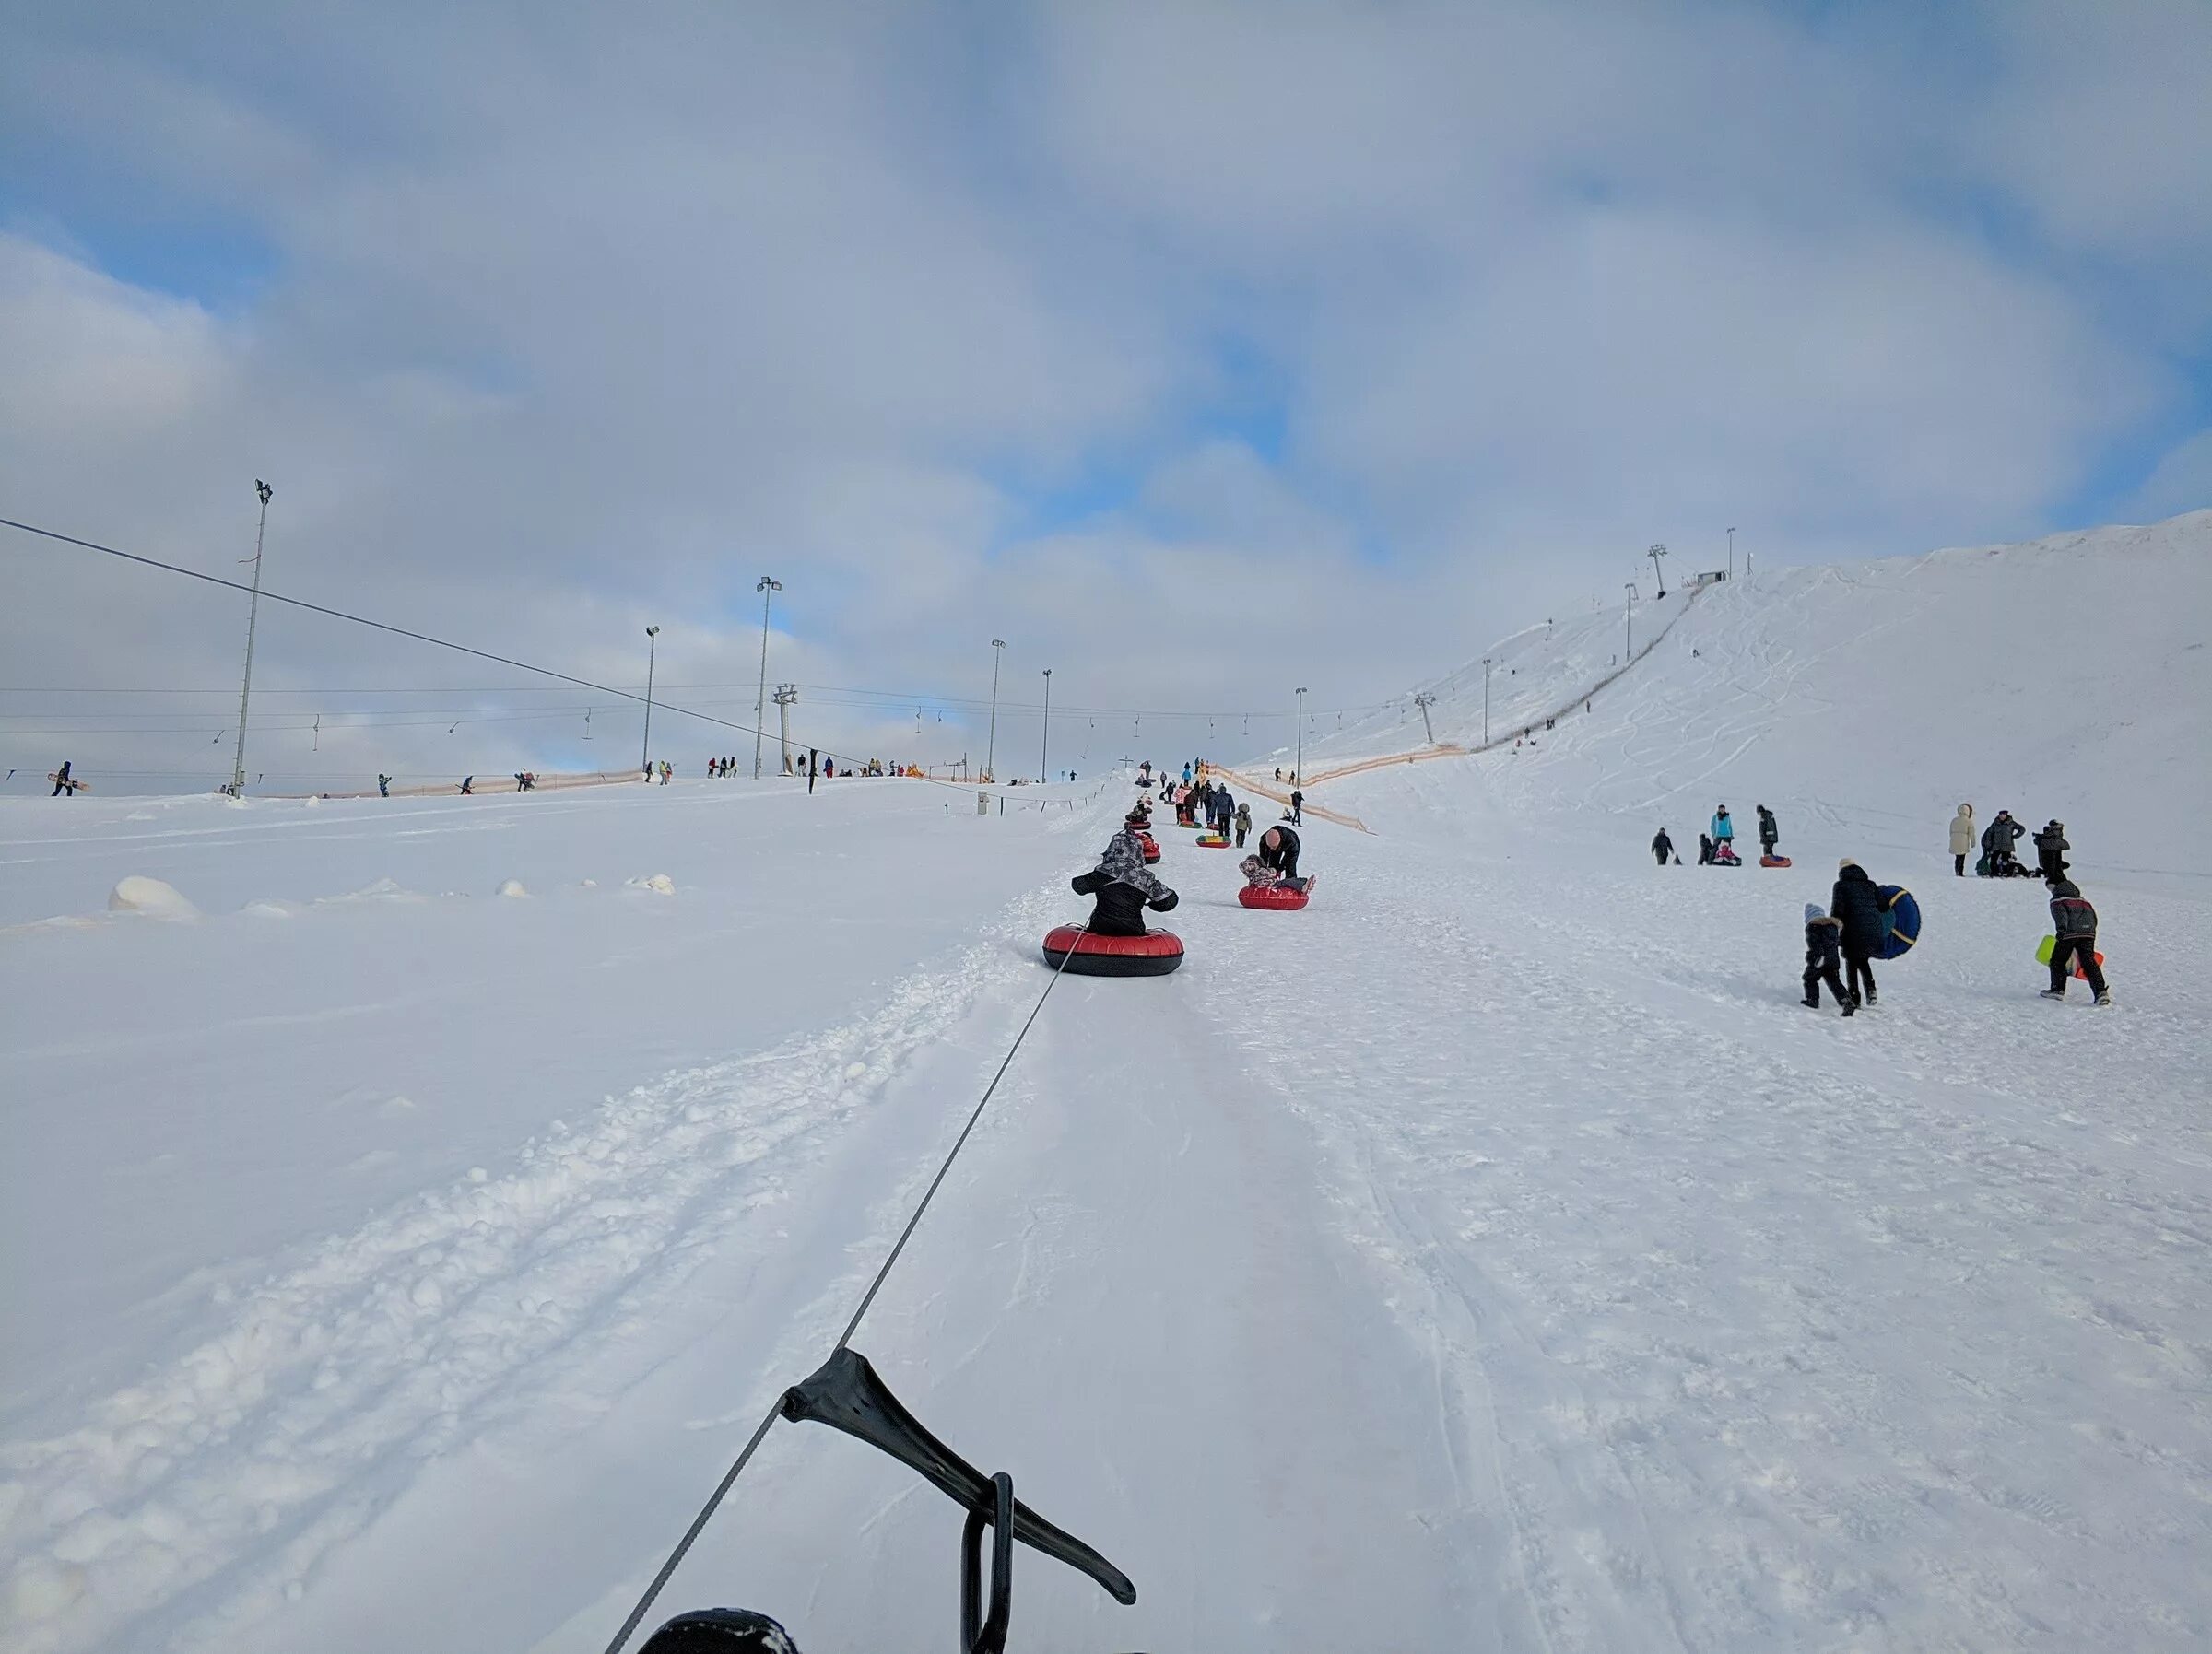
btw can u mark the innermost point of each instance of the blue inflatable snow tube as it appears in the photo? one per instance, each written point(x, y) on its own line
point(1901, 921)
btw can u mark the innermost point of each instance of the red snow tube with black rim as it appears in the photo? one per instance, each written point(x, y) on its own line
point(1272, 899)
point(1086, 953)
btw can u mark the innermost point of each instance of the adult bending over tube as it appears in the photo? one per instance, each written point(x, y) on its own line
point(1122, 887)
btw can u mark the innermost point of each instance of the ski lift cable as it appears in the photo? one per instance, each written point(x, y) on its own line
point(382, 626)
point(844, 1339)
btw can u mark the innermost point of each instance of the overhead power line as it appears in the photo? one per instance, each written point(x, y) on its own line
point(382, 626)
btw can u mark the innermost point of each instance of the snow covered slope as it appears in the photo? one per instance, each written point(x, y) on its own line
point(2069, 677)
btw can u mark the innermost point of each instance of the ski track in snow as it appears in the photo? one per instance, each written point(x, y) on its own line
point(231, 1471)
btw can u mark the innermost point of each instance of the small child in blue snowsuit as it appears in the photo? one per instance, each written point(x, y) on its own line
point(1823, 956)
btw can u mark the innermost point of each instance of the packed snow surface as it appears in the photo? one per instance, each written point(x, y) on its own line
point(1494, 1255)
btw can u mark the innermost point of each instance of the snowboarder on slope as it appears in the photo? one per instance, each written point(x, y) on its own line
point(1122, 887)
point(1857, 905)
point(1823, 949)
point(1768, 834)
point(2074, 922)
point(2051, 848)
point(61, 783)
point(468, 786)
point(384, 785)
point(1662, 846)
point(1963, 839)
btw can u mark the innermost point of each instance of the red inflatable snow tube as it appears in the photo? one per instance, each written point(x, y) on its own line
point(1151, 848)
point(1154, 954)
point(1274, 898)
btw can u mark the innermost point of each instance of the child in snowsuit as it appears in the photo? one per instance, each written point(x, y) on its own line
point(2051, 848)
point(1243, 823)
point(1122, 887)
point(2075, 923)
point(1823, 951)
point(1662, 846)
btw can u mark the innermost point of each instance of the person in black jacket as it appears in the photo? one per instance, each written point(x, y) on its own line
point(2051, 848)
point(1298, 805)
point(1279, 850)
point(1768, 834)
point(1122, 887)
point(1858, 905)
point(1662, 846)
point(2000, 842)
point(1823, 949)
point(2075, 923)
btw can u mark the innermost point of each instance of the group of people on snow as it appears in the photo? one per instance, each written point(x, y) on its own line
point(2000, 847)
point(1123, 887)
point(1716, 845)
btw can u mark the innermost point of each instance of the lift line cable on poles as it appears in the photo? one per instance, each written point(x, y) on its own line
point(844, 1339)
point(382, 626)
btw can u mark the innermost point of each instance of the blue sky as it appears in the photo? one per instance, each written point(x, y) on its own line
point(1320, 334)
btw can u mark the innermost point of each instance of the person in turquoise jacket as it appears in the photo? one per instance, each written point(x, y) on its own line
point(1724, 829)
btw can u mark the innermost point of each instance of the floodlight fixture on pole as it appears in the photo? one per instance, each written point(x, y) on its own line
point(1486, 698)
point(998, 655)
point(1298, 765)
point(767, 588)
point(653, 646)
point(1732, 554)
point(1045, 748)
point(1425, 701)
point(1655, 553)
point(245, 690)
point(1629, 649)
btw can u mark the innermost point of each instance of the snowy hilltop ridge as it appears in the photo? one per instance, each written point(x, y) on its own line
point(2064, 676)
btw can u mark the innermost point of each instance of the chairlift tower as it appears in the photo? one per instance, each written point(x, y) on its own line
point(786, 696)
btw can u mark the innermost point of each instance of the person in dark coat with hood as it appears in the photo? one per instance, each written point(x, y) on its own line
point(1662, 846)
point(1122, 887)
point(2051, 848)
point(1858, 905)
point(1768, 834)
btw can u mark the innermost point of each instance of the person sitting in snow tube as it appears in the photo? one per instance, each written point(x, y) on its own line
point(1266, 889)
point(1122, 888)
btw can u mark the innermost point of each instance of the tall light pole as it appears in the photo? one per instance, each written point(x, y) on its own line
point(998, 654)
point(1732, 554)
point(1045, 750)
point(767, 588)
point(1486, 699)
point(652, 646)
point(1655, 553)
point(1298, 765)
point(1629, 649)
point(1425, 701)
point(245, 691)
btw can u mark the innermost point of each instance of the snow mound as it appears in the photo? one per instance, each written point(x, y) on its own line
point(137, 894)
point(660, 884)
point(512, 887)
point(379, 890)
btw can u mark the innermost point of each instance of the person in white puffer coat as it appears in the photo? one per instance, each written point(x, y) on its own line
point(1963, 838)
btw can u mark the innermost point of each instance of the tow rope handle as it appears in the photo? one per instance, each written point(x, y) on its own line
point(847, 1394)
